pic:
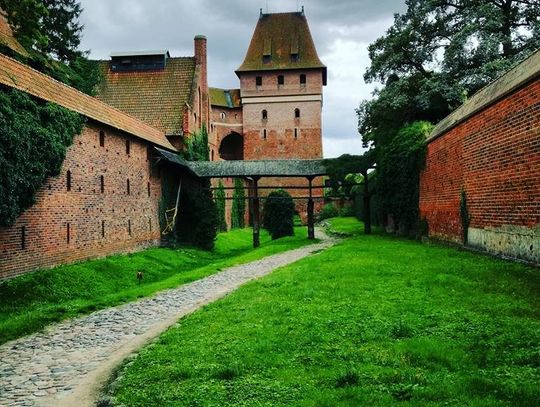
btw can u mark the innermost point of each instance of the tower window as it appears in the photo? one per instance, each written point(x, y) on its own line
point(68, 180)
point(129, 226)
point(102, 182)
point(148, 153)
point(102, 228)
point(258, 81)
point(222, 115)
point(297, 113)
point(267, 59)
point(128, 147)
point(302, 79)
point(264, 114)
point(148, 188)
point(264, 134)
point(280, 80)
point(68, 234)
point(295, 133)
point(127, 187)
point(102, 138)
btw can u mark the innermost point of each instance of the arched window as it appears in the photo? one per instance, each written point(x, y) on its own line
point(222, 115)
point(297, 113)
point(264, 114)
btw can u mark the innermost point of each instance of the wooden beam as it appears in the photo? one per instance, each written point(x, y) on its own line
point(310, 207)
point(256, 214)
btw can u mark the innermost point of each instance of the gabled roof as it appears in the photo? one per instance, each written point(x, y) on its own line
point(515, 78)
point(229, 98)
point(19, 76)
point(280, 37)
point(7, 38)
point(157, 97)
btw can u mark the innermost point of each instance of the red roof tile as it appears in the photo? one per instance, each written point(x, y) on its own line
point(157, 97)
point(7, 38)
point(19, 76)
point(279, 36)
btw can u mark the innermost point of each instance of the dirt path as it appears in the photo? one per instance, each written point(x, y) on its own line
point(68, 363)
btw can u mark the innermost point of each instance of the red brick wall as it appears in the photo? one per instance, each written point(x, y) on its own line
point(495, 157)
point(84, 207)
point(280, 102)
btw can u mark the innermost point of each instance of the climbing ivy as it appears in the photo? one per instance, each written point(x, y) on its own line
point(238, 209)
point(220, 206)
point(34, 137)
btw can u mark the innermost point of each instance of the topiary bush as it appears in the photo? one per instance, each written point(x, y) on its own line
point(279, 214)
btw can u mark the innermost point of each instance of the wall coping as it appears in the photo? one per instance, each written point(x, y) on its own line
point(515, 78)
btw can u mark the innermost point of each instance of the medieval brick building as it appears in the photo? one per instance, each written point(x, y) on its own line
point(106, 198)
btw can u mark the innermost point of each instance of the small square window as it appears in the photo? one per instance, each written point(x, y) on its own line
point(280, 80)
point(302, 79)
point(258, 80)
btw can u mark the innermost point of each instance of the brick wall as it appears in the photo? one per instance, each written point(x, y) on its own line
point(494, 156)
point(100, 223)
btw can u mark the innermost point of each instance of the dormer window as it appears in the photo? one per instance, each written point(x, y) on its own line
point(267, 52)
point(294, 50)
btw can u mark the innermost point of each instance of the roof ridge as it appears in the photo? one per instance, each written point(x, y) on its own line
point(110, 122)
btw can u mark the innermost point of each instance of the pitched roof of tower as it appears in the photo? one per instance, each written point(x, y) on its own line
point(225, 97)
point(19, 76)
point(158, 97)
point(281, 41)
point(7, 38)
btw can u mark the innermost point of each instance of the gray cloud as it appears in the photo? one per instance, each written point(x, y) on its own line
point(342, 30)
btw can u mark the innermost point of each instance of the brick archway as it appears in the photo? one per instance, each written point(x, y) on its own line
point(232, 147)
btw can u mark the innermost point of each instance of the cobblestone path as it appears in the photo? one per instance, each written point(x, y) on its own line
point(50, 367)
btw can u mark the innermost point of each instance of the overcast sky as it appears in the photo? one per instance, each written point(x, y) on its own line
point(342, 30)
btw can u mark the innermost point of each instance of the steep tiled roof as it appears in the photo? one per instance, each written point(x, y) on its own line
point(280, 36)
point(157, 97)
point(7, 38)
point(225, 97)
point(19, 76)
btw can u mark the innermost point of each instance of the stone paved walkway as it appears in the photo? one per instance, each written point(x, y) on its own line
point(56, 367)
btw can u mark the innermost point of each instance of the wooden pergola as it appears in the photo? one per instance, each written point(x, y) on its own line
point(255, 170)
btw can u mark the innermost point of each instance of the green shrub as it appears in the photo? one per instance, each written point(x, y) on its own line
point(34, 137)
point(279, 214)
point(219, 196)
point(197, 220)
point(329, 210)
point(347, 210)
point(238, 205)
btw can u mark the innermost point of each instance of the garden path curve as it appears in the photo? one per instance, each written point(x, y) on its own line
point(67, 363)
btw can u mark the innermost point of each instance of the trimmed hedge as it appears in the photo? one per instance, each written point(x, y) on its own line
point(279, 214)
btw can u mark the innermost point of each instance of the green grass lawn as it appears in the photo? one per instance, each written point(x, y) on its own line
point(373, 321)
point(30, 302)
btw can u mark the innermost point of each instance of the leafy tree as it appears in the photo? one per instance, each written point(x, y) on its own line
point(279, 214)
point(50, 31)
point(433, 57)
point(220, 207)
point(34, 137)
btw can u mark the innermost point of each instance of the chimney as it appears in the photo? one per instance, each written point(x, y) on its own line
point(201, 64)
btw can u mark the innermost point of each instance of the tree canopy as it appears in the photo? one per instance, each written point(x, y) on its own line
point(434, 56)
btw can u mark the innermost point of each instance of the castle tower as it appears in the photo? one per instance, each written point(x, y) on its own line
point(281, 82)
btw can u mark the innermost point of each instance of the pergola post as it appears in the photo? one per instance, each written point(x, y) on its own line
point(256, 213)
point(310, 207)
point(367, 208)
